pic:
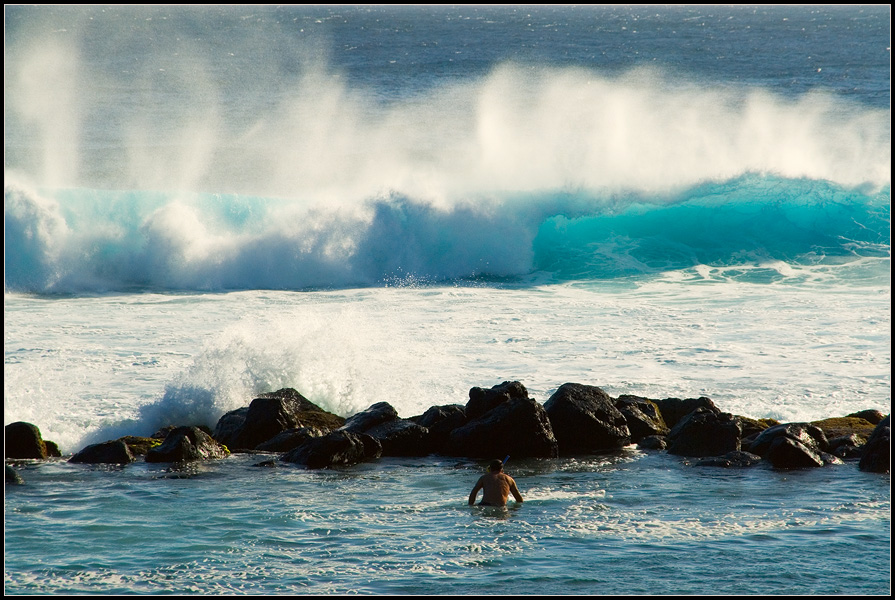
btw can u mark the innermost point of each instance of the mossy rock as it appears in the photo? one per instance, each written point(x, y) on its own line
point(321, 420)
point(839, 426)
point(139, 446)
point(754, 426)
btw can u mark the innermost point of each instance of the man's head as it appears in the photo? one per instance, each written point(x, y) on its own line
point(496, 466)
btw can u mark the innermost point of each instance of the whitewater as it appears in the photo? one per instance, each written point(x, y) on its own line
point(396, 204)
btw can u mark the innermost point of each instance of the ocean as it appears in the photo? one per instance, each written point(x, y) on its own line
point(400, 203)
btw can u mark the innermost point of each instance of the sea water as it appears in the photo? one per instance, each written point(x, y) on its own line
point(397, 204)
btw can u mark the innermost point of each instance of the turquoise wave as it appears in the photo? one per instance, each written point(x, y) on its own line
point(83, 240)
point(748, 221)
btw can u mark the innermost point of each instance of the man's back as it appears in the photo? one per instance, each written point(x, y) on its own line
point(496, 488)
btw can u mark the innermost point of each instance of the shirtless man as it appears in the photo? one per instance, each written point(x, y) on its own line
point(496, 486)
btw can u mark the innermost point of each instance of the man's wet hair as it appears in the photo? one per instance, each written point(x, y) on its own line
point(496, 466)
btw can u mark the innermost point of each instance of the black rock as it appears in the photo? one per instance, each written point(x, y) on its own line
point(642, 416)
point(13, 477)
point(186, 444)
point(878, 449)
point(337, 448)
point(290, 439)
point(584, 419)
point(518, 427)
point(787, 453)
point(481, 400)
point(441, 421)
point(705, 432)
point(23, 440)
point(113, 452)
point(653, 442)
point(737, 458)
point(675, 409)
point(401, 438)
point(808, 435)
point(269, 415)
point(381, 412)
point(847, 446)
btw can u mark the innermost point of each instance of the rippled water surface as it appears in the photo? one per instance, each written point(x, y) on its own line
point(628, 523)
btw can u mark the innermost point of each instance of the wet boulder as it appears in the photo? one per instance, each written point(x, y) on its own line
point(381, 412)
point(483, 400)
point(675, 409)
point(877, 451)
point(441, 421)
point(518, 427)
point(787, 453)
point(337, 448)
point(398, 437)
point(269, 415)
point(705, 432)
point(290, 439)
point(872, 415)
point(847, 446)
point(736, 458)
point(805, 433)
point(52, 449)
point(794, 446)
point(642, 417)
point(112, 452)
point(584, 419)
point(653, 442)
point(752, 427)
point(23, 440)
point(227, 428)
point(401, 437)
point(186, 444)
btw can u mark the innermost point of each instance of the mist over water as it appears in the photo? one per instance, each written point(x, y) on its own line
point(195, 107)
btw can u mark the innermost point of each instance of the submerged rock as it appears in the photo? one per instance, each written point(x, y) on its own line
point(584, 419)
point(737, 458)
point(13, 477)
point(186, 444)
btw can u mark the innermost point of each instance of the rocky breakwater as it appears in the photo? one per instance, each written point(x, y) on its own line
point(577, 419)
